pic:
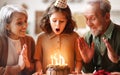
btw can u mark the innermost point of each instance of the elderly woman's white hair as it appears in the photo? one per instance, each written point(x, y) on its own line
point(6, 13)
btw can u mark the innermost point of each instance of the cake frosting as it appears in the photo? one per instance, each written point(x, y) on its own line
point(57, 70)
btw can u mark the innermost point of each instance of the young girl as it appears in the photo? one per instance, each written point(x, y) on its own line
point(58, 38)
point(16, 48)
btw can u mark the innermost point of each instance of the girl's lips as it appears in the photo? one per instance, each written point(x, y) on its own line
point(57, 29)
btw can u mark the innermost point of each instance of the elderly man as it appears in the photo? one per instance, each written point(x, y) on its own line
point(101, 48)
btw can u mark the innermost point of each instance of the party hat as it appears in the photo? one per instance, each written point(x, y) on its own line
point(61, 3)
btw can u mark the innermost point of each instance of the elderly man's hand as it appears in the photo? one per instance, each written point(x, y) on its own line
point(111, 53)
point(86, 51)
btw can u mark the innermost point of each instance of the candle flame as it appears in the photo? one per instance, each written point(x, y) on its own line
point(57, 60)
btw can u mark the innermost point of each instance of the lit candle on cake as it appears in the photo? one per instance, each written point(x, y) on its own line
point(57, 66)
point(57, 60)
point(62, 60)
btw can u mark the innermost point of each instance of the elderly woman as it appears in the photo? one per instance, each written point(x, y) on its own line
point(16, 48)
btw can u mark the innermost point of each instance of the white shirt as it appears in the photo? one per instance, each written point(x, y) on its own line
point(14, 48)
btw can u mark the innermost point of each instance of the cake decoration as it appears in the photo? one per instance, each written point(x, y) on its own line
point(61, 3)
point(57, 70)
point(57, 66)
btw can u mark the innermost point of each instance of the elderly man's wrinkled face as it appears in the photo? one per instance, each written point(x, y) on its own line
point(95, 20)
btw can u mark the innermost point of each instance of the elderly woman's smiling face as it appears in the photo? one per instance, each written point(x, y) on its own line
point(18, 25)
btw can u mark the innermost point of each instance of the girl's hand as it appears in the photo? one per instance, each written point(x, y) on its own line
point(38, 73)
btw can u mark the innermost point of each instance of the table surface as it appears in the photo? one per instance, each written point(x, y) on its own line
point(112, 73)
point(77, 74)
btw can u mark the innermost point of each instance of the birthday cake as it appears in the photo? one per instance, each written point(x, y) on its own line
point(57, 70)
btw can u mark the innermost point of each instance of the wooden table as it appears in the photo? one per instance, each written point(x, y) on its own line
point(78, 74)
point(112, 73)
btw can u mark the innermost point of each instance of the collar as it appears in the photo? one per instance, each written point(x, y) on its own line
point(53, 35)
point(109, 31)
